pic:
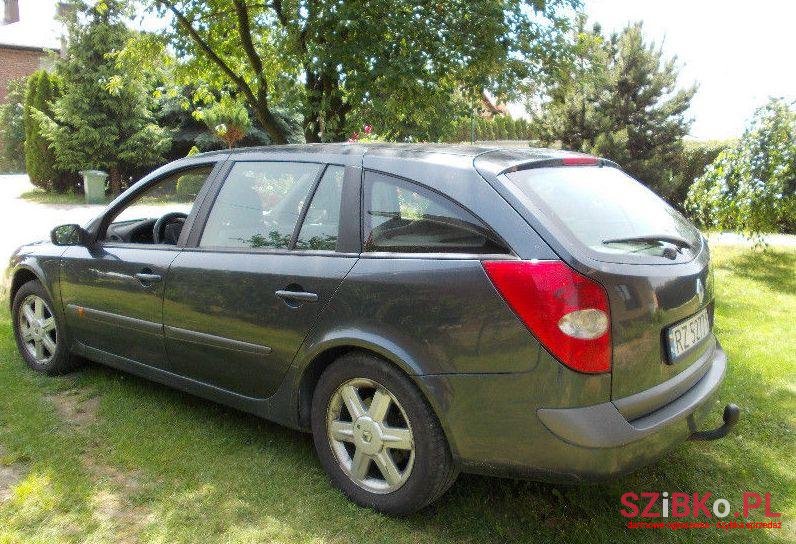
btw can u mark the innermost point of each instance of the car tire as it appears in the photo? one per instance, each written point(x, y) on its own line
point(39, 331)
point(404, 462)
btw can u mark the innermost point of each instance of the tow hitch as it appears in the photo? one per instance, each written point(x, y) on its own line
point(731, 415)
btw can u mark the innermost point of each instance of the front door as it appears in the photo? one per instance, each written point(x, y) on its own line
point(238, 306)
point(112, 291)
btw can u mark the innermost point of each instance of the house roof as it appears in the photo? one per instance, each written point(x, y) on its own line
point(37, 27)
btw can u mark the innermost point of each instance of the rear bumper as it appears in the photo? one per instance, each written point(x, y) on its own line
point(566, 444)
point(602, 426)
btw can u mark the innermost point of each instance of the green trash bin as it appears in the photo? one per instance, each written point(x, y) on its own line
point(94, 185)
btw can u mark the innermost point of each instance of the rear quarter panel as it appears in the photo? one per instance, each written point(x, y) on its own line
point(429, 316)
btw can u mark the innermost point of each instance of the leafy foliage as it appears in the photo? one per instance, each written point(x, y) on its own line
point(176, 114)
point(692, 163)
point(502, 127)
point(189, 185)
point(12, 127)
point(619, 99)
point(751, 186)
point(227, 119)
point(408, 68)
point(103, 119)
point(41, 89)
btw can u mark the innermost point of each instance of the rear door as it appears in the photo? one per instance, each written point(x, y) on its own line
point(240, 300)
point(653, 263)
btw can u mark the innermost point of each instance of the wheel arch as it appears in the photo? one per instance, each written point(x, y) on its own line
point(22, 275)
point(326, 354)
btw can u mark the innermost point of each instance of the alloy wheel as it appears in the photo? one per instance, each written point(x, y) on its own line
point(370, 435)
point(37, 329)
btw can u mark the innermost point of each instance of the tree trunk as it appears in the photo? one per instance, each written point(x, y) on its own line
point(276, 131)
point(115, 180)
point(324, 109)
point(313, 125)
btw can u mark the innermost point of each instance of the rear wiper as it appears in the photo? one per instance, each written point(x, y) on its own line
point(667, 238)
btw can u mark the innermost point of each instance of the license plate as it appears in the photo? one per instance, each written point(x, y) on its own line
point(687, 334)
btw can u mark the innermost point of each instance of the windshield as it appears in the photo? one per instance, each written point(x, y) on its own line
point(608, 211)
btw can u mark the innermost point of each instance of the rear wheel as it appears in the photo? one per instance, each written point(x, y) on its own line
point(39, 332)
point(377, 437)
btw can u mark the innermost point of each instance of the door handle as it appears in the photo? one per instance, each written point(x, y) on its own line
point(146, 278)
point(301, 296)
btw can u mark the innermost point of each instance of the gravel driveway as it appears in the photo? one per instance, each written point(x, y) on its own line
point(22, 221)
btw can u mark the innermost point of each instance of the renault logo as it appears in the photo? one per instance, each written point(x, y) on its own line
point(700, 290)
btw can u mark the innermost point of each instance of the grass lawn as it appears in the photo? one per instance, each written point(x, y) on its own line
point(99, 456)
point(43, 197)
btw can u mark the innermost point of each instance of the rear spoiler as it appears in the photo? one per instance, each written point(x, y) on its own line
point(576, 160)
point(495, 162)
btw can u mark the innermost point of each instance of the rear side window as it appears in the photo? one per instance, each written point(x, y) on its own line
point(259, 205)
point(605, 210)
point(322, 222)
point(400, 216)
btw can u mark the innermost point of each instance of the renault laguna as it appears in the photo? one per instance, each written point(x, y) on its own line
point(422, 310)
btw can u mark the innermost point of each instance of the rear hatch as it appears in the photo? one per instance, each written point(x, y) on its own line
point(653, 263)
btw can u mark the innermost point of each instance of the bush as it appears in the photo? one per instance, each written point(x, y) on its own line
point(227, 119)
point(751, 187)
point(12, 128)
point(188, 186)
point(41, 90)
point(694, 160)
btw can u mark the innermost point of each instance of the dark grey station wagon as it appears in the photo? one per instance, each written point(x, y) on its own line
point(422, 310)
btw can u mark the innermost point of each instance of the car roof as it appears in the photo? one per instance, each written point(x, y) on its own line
point(487, 158)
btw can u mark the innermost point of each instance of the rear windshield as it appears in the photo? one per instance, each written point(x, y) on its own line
point(608, 211)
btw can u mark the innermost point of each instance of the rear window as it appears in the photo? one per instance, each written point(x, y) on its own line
point(607, 211)
point(400, 216)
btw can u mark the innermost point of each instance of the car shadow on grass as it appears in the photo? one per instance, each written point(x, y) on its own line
point(229, 475)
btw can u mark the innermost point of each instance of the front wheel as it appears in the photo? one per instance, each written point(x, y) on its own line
point(39, 332)
point(377, 438)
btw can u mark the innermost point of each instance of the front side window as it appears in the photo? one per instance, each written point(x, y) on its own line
point(157, 214)
point(400, 216)
point(259, 205)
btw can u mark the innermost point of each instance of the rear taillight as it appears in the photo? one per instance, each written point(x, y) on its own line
point(565, 310)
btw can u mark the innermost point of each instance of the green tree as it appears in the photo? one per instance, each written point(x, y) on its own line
point(751, 187)
point(407, 68)
point(502, 127)
point(525, 130)
point(227, 119)
point(12, 127)
point(104, 117)
point(484, 130)
point(511, 128)
point(619, 99)
point(693, 162)
point(501, 133)
point(41, 89)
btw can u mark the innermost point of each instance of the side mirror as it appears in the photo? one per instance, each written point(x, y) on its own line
point(69, 235)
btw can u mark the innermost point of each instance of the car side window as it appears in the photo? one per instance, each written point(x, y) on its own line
point(401, 216)
point(259, 205)
point(171, 198)
point(322, 222)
